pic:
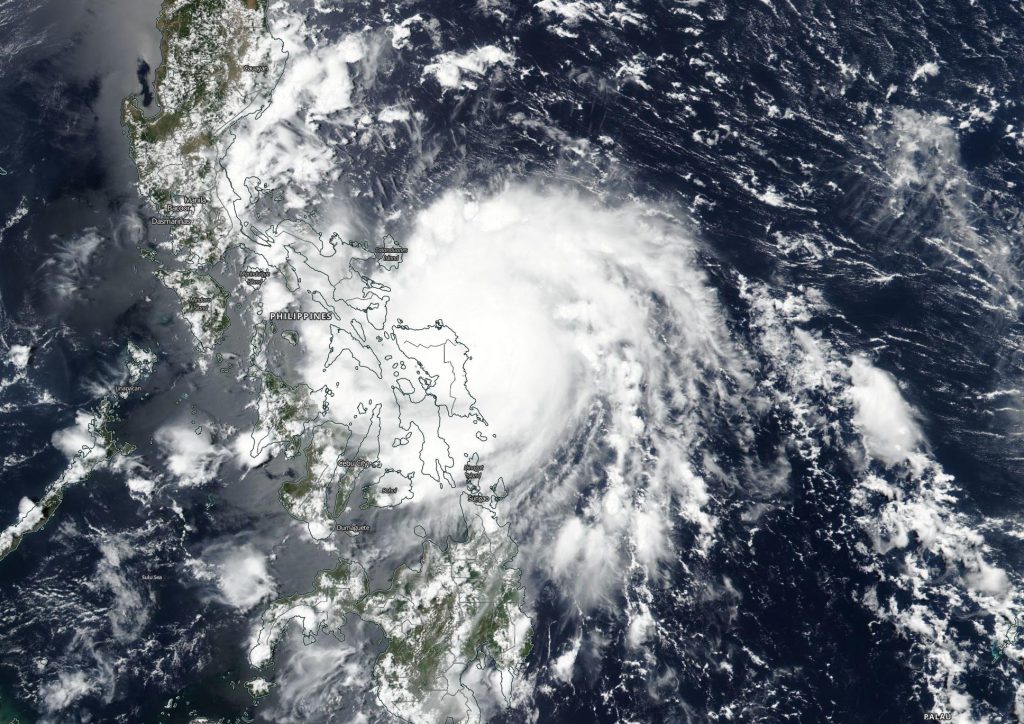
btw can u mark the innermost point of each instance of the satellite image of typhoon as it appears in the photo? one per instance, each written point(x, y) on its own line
point(564, 361)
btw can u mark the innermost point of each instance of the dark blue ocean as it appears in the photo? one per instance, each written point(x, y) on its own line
point(808, 153)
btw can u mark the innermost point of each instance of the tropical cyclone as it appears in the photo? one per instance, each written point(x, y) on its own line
point(374, 403)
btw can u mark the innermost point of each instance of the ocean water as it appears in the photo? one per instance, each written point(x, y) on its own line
point(840, 182)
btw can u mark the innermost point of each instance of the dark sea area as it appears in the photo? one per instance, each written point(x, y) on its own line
point(74, 289)
point(820, 160)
